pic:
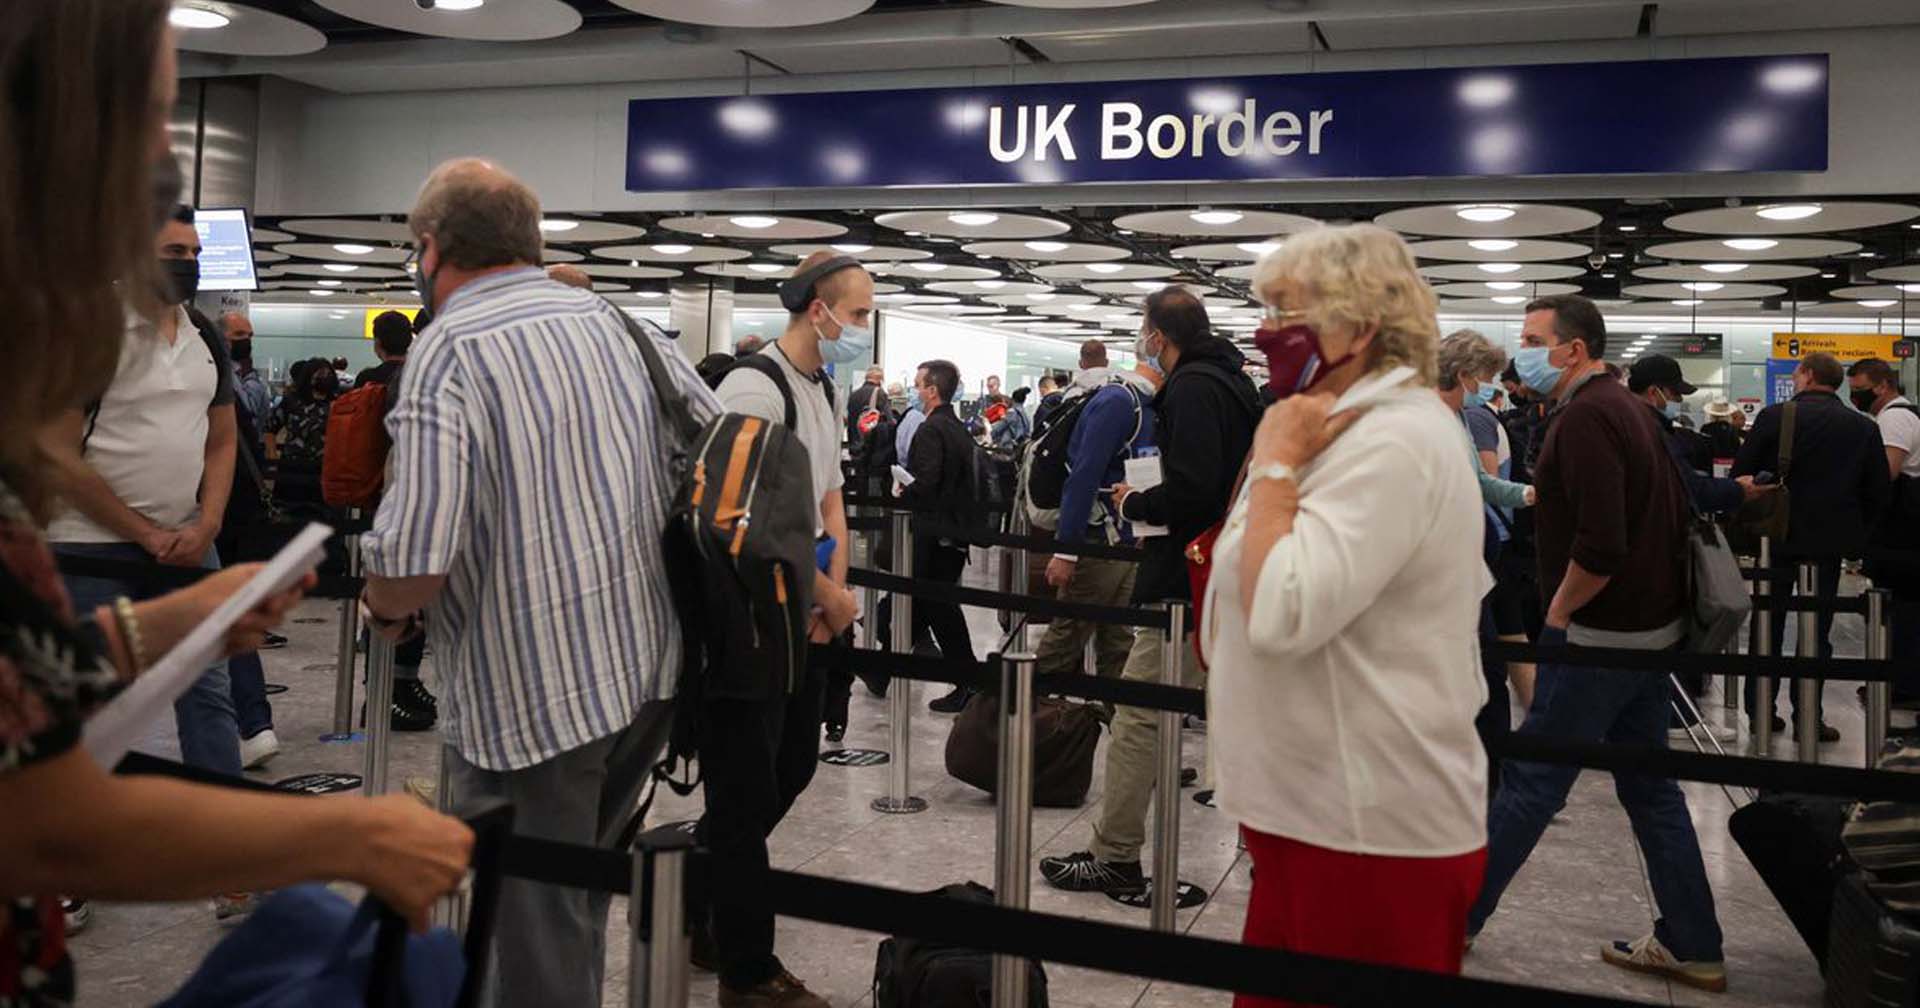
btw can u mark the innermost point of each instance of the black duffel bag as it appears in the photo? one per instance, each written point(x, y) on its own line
point(908, 973)
point(1065, 735)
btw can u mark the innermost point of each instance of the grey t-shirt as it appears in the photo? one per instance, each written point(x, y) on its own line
point(754, 394)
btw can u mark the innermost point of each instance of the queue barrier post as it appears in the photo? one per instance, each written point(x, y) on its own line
point(1014, 816)
point(897, 800)
point(452, 910)
point(1806, 692)
point(1017, 556)
point(1761, 713)
point(349, 637)
point(870, 598)
point(657, 917)
point(379, 714)
point(1879, 694)
point(1166, 797)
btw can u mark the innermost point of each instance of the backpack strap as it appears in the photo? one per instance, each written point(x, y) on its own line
point(765, 365)
point(672, 401)
point(1786, 440)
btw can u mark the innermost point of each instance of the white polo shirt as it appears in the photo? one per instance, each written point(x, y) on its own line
point(1900, 428)
point(149, 438)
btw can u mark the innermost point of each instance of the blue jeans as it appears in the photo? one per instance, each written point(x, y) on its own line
point(204, 714)
point(250, 706)
point(1626, 708)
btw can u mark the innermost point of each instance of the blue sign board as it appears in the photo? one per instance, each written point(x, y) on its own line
point(1747, 114)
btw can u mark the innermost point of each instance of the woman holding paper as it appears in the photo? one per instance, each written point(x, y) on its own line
point(84, 166)
point(1340, 623)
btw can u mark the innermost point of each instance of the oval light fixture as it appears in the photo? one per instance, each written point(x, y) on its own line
point(1750, 244)
point(1258, 248)
point(1724, 267)
point(1047, 246)
point(1878, 303)
point(320, 292)
point(1499, 267)
point(331, 283)
point(1788, 211)
point(989, 284)
point(1147, 285)
point(195, 18)
point(928, 267)
point(1504, 285)
point(340, 267)
point(1688, 302)
point(1492, 244)
point(1485, 213)
point(1215, 218)
point(1043, 296)
point(1105, 267)
point(753, 222)
point(671, 249)
point(556, 224)
point(1703, 288)
point(765, 267)
point(1508, 299)
point(972, 218)
point(349, 248)
point(852, 248)
point(457, 5)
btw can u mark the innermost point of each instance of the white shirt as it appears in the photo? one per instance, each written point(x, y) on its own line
point(1340, 712)
point(149, 439)
point(1900, 428)
point(754, 394)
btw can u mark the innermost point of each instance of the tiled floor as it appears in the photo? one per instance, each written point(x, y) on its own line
point(1584, 885)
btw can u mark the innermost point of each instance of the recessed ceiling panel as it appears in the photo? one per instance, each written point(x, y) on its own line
point(1782, 217)
point(1704, 290)
point(1489, 220)
point(1753, 249)
point(1897, 274)
point(1043, 250)
point(672, 252)
point(1525, 290)
point(985, 287)
point(249, 31)
point(748, 270)
point(354, 252)
point(347, 229)
point(859, 250)
point(748, 13)
point(1482, 272)
point(1746, 273)
point(563, 228)
point(1103, 271)
point(551, 255)
point(630, 272)
point(753, 226)
point(1215, 222)
point(1247, 251)
point(499, 21)
point(974, 223)
point(1498, 249)
point(347, 272)
point(1141, 288)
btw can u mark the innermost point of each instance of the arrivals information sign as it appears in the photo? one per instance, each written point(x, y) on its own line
point(1739, 114)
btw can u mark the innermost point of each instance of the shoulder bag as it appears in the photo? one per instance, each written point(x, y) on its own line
point(1766, 516)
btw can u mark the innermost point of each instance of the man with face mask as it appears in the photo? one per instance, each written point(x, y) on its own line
point(1894, 561)
point(149, 483)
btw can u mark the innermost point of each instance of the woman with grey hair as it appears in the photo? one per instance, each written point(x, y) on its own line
point(1339, 624)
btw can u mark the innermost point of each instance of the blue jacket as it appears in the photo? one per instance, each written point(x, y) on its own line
point(1103, 439)
point(1709, 494)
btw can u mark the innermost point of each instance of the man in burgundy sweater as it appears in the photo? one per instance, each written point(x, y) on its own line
point(1610, 528)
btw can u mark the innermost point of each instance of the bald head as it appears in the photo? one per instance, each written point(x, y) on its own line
point(235, 327)
point(474, 215)
point(572, 276)
point(842, 298)
point(836, 285)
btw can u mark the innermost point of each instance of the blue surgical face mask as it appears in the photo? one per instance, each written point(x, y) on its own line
point(1480, 396)
point(1150, 360)
point(854, 343)
point(1536, 370)
point(1672, 410)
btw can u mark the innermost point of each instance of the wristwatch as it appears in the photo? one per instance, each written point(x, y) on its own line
point(1273, 471)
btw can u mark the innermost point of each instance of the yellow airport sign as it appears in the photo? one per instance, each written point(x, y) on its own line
point(1846, 346)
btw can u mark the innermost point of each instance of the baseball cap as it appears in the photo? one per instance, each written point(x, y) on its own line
point(1657, 371)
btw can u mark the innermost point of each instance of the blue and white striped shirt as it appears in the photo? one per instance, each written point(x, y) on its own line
point(530, 466)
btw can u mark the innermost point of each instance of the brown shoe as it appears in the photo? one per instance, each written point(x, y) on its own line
point(783, 991)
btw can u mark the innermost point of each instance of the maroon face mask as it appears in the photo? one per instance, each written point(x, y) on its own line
point(1294, 361)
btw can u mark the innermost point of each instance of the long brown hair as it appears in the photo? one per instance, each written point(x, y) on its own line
point(78, 135)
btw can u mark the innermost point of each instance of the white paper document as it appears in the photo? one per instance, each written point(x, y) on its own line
point(126, 718)
point(1144, 474)
point(902, 476)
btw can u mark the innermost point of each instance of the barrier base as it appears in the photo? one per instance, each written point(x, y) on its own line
point(855, 757)
point(274, 689)
point(1186, 897)
point(905, 806)
point(338, 737)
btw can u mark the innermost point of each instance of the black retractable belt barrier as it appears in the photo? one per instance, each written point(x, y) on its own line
point(1855, 604)
point(867, 523)
point(1115, 615)
point(1823, 669)
point(1031, 543)
point(1711, 768)
point(162, 577)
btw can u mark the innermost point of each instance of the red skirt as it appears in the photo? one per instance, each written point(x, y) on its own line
point(1398, 911)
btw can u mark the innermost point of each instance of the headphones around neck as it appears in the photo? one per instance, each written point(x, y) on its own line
point(797, 291)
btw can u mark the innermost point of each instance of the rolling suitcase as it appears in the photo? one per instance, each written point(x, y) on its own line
point(1793, 842)
point(1873, 955)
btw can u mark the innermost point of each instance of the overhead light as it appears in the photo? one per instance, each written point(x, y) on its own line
point(336, 314)
point(928, 267)
point(1869, 255)
point(1493, 244)
point(652, 294)
point(1616, 255)
point(913, 234)
point(852, 248)
point(1499, 267)
point(973, 218)
point(1147, 285)
point(1084, 307)
point(1627, 227)
point(1688, 302)
point(1213, 218)
point(1606, 276)
point(1704, 287)
point(1788, 211)
point(989, 284)
point(1750, 244)
point(352, 249)
point(1047, 246)
point(1878, 303)
point(753, 222)
point(1123, 231)
point(1105, 267)
point(1258, 248)
point(765, 267)
point(671, 249)
point(457, 5)
point(194, 17)
point(1504, 285)
point(327, 293)
point(1484, 213)
point(1911, 288)
point(339, 267)
point(1508, 299)
point(1043, 296)
point(331, 283)
point(555, 224)
point(1724, 267)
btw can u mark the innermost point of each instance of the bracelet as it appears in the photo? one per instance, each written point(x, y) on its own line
point(129, 625)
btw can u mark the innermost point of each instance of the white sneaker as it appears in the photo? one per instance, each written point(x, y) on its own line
point(256, 751)
point(1720, 733)
point(1647, 955)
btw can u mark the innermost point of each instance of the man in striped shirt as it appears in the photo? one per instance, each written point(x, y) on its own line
point(528, 488)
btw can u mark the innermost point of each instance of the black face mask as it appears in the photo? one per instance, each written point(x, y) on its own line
point(1863, 399)
point(182, 280)
point(241, 351)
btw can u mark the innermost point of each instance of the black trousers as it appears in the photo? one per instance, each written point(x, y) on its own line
point(1826, 584)
point(839, 688)
point(756, 758)
point(943, 620)
point(1495, 720)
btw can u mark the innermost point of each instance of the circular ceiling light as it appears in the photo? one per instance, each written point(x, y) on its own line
point(1687, 302)
point(1703, 288)
point(1499, 267)
point(457, 5)
point(753, 221)
point(673, 249)
point(1215, 218)
point(1047, 246)
point(853, 248)
point(1788, 211)
point(321, 292)
point(195, 18)
point(331, 283)
point(1484, 213)
point(1259, 248)
point(1724, 267)
point(1504, 285)
point(1750, 244)
point(341, 267)
point(1105, 267)
point(651, 294)
point(765, 267)
point(555, 224)
point(1877, 303)
point(989, 284)
point(1492, 244)
point(928, 267)
point(973, 218)
point(1508, 299)
point(351, 249)
point(1147, 285)
point(1043, 296)
point(1913, 288)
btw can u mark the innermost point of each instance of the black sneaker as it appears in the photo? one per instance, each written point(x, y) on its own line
point(704, 953)
point(76, 913)
point(1082, 872)
point(1189, 777)
point(1827, 733)
point(273, 642)
point(414, 693)
point(952, 703)
point(836, 732)
point(407, 719)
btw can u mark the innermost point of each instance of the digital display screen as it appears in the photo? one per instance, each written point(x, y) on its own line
point(226, 250)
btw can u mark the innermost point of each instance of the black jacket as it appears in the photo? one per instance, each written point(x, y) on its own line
point(1838, 483)
point(1694, 454)
point(941, 462)
point(1207, 409)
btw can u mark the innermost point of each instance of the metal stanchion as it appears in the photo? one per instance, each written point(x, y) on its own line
point(1166, 794)
point(1879, 694)
point(379, 713)
point(452, 909)
point(1806, 692)
point(1762, 707)
point(349, 636)
point(900, 691)
point(1014, 816)
point(1017, 525)
point(657, 916)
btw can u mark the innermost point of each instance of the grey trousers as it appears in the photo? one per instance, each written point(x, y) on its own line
point(550, 942)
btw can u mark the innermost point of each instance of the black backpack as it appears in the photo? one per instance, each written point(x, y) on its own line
point(1044, 471)
point(908, 973)
point(991, 476)
point(741, 553)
